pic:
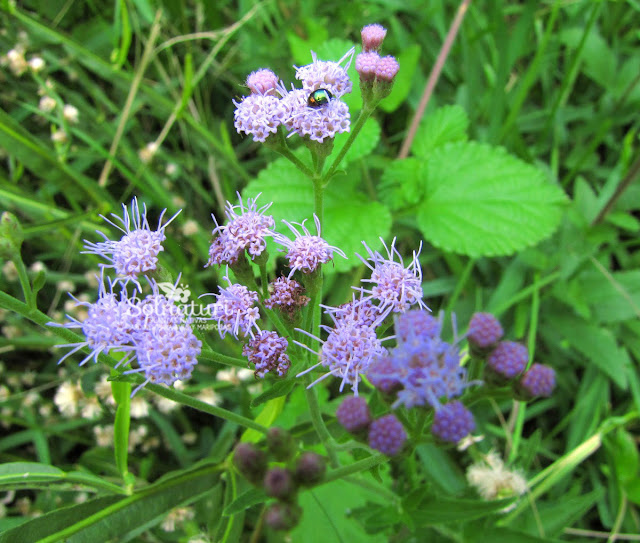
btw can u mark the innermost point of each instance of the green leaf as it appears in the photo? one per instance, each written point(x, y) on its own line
point(115, 518)
point(447, 124)
point(597, 344)
point(408, 61)
point(625, 456)
point(612, 297)
point(441, 469)
point(248, 499)
point(269, 413)
point(277, 389)
point(362, 146)
point(481, 201)
point(401, 184)
point(442, 510)
point(349, 215)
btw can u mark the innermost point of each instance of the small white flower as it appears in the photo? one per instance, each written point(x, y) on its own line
point(70, 113)
point(91, 408)
point(17, 63)
point(147, 153)
point(47, 104)
point(67, 398)
point(209, 396)
point(59, 136)
point(139, 407)
point(190, 228)
point(10, 271)
point(493, 480)
point(104, 435)
point(36, 64)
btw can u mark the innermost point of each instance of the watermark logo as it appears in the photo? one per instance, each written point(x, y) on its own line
point(174, 293)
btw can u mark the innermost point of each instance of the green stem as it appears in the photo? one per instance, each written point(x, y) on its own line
point(365, 113)
point(318, 423)
point(282, 148)
point(264, 278)
point(24, 282)
point(213, 356)
point(361, 465)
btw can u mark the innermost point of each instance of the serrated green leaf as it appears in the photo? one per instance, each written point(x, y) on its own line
point(348, 215)
point(613, 297)
point(481, 201)
point(447, 124)
point(408, 60)
point(401, 183)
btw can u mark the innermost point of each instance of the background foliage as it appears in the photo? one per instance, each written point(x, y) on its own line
point(543, 94)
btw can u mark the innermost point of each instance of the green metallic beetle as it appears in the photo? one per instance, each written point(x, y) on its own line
point(319, 98)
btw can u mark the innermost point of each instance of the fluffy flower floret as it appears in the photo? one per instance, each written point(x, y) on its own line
point(136, 253)
point(362, 312)
point(393, 286)
point(493, 480)
point(322, 74)
point(167, 352)
point(306, 252)
point(323, 122)
point(286, 294)
point(234, 310)
point(259, 115)
point(111, 323)
point(424, 367)
point(247, 229)
point(348, 350)
point(262, 81)
point(267, 351)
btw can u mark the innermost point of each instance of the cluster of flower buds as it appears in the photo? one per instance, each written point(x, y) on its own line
point(376, 73)
point(507, 360)
point(281, 471)
point(385, 434)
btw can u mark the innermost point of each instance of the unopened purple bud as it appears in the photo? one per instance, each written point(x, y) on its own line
point(353, 414)
point(366, 65)
point(280, 443)
point(283, 516)
point(310, 468)
point(508, 359)
point(539, 380)
point(387, 68)
point(484, 331)
point(372, 37)
point(262, 81)
point(452, 422)
point(279, 483)
point(250, 462)
point(382, 375)
point(387, 435)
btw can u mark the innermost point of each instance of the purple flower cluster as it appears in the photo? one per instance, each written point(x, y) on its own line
point(235, 311)
point(306, 252)
point(387, 435)
point(286, 294)
point(508, 359)
point(136, 253)
point(394, 287)
point(375, 71)
point(539, 380)
point(353, 414)
point(484, 331)
point(271, 105)
point(268, 352)
point(422, 366)
point(452, 421)
point(247, 229)
point(152, 331)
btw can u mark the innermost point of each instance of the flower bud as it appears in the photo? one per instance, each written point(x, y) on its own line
point(11, 236)
point(280, 444)
point(484, 332)
point(283, 516)
point(250, 462)
point(372, 37)
point(279, 483)
point(310, 468)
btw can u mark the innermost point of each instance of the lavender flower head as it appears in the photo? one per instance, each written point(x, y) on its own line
point(267, 351)
point(262, 81)
point(110, 324)
point(306, 252)
point(286, 294)
point(247, 229)
point(422, 365)
point(394, 287)
point(136, 253)
point(234, 310)
point(323, 74)
point(348, 350)
point(259, 115)
point(372, 37)
point(363, 312)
